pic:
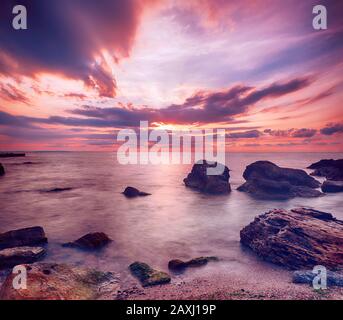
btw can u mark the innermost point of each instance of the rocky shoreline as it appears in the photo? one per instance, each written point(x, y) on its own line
point(296, 239)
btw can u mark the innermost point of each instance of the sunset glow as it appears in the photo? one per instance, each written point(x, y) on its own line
point(258, 70)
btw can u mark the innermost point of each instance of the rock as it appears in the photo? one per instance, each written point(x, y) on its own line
point(11, 155)
point(295, 239)
point(131, 192)
point(23, 237)
point(307, 276)
point(49, 281)
point(211, 184)
point(179, 265)
point(90, 241)
point(2, 170)
point(148, 276)
point(56, 190)
point(328, 168)
point(265, 180)
point(11, 257)
point(330, 186)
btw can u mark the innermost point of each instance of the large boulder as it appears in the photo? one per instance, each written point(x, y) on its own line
point(296, 239)
point(131, 192)
point(266, 180)
point(90, 241)
point(11, 257)
point(330, 186)
point(199, 178)
point(328, 168)
point(179, 265)
point(2, 170)
point(49, 281)
point(23, 237)
point(147, 275)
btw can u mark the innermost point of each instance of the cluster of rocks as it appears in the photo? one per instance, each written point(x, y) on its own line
point(150, 277)
point(266, 180)
point(297, 239)
point(61, 281)
point(21, 246)
point(53, 281)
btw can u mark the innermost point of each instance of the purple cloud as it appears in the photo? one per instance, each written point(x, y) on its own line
point(332, 128)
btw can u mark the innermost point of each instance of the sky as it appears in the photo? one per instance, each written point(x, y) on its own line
point(84, 69)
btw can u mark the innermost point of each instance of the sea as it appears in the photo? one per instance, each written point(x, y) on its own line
point(174, 222)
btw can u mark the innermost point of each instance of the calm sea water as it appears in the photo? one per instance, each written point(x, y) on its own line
point(174, 222)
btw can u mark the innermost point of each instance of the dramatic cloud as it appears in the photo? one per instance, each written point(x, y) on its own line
point(304, 133)
point(86, 68)
point(293, 133)
point(69, 38)
point(202, 107)
point(11, 93)
point(246, 134)
point(332, 128)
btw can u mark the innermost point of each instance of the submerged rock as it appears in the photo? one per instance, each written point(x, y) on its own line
point(55, 190)
point(179, 265)
point(148, 276)
point(265, 180)
point(90, 241)
point(328, 168)
point(307, 276)
point(131, 192)
point(299, 238)
point(2, 170)
point(11, 257)
point(330, 186)
point(49, 281)
point(199, 178)
point(23, 237)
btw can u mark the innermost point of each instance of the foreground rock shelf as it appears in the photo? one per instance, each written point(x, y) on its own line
point(49, 281)
point(201, 180)
point(265, 180)
point(296, 239)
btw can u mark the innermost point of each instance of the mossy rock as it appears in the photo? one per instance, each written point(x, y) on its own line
point(147, 275)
